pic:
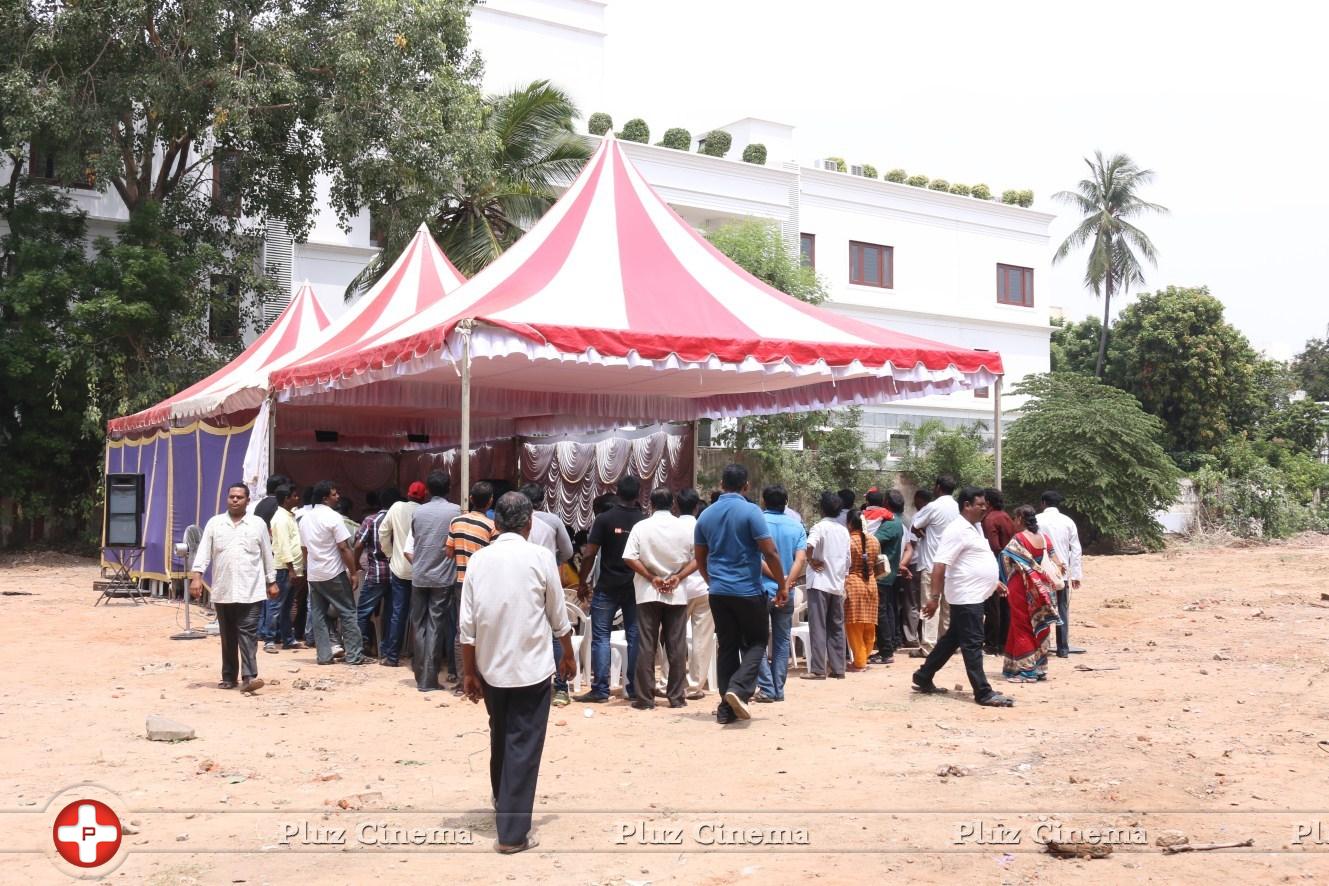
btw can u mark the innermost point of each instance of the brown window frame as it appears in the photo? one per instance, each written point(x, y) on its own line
point(981, 393)
point(220, 204)
point(225, 319)
point(1026, 297)
point(50, 174)
point(811, 240)
point(885, 264)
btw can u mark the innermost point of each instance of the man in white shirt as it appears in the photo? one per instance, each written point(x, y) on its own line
point(698, 597)
point(964, 566)
point(659, 552)
point(928, 526)
point(510, 601)
point(1066, 541)
point(330, 567)
point(828, 565)
point(235, 544)
point(392, 533)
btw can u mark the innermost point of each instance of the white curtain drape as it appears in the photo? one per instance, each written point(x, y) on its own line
point(255, 465)
point(576, 471)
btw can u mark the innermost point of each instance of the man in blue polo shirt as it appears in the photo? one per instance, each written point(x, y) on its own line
point(791, 540)
point(731, 541)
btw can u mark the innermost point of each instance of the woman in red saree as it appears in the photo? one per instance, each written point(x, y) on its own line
point(1028, 559)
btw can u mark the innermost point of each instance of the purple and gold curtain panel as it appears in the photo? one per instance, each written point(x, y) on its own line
point(185, 474)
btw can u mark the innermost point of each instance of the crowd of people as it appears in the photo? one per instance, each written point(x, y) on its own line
point(480, 600)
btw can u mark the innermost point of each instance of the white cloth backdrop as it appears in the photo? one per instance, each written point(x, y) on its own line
point(576, 470)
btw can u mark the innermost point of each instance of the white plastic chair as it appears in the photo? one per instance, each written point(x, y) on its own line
point(618, 657)
point(581, 647)
point(801, 632)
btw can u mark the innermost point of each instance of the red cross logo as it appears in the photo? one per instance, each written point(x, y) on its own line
point(86, 833)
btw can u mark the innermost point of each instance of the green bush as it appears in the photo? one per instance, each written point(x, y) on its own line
point(636, 130)
point(962, 190)
point(715, 143)
point(839, 162)
point(1010, 197)
point(755, 153)
point(938, 450)
point(1260, 490)
point(939, 184)
point(599, 123)
point(1025, 198)
point(869, 171)
point(1094, 444)
point(676, 138)
point(899, 176)
point(918, 181)
point(982, 192)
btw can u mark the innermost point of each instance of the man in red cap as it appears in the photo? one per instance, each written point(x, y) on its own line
point(392, 537)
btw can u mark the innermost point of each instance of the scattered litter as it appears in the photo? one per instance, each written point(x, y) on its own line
point(952, 770)
point(1206, 847)
point(1075, 849)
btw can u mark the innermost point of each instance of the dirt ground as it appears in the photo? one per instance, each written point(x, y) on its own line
point(1202, 713)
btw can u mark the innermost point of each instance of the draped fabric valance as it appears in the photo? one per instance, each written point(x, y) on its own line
point(575, 471)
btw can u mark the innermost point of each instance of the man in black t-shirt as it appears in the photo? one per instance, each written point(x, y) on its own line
point(613, 589)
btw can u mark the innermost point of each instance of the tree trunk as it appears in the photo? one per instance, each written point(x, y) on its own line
point(1103, 338)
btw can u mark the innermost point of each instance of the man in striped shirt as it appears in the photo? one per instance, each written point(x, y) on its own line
point(369, 554)
point(467, 534)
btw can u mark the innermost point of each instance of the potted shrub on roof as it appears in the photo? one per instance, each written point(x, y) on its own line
point(636, 130)
point(755, 153)
point(676, 138)
point(715, 143)
point(599, 123)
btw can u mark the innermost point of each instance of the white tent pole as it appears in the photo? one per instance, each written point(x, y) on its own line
point(996, 429)
point(272, 439)
point(464, 329)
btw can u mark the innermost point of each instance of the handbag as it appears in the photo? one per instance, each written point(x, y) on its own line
point(1050, 567)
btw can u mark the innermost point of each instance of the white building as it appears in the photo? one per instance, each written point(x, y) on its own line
point(955, 269)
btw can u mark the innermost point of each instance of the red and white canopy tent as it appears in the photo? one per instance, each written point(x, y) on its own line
point(613, 310)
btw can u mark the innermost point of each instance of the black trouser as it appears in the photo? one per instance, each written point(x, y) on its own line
point(886, 603)
point(662, 624)
point(965, 634)
point(909, 602)
point(428, 619)
point(302, 614)
point(996, 623)
point(1064, 611)
point(741, 631)
point(451, 628)
point(238, 623)
point(517, 722)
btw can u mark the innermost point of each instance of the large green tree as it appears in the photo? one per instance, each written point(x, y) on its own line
point(1074, 346)
point(938, 450)
point(1093, 443)
point(1174, 351)
point(1312, 368)
point(533, 150)
point(1110, 203)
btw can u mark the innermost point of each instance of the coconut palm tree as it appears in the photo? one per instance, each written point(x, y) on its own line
point(536, 150)
point(1109, 201)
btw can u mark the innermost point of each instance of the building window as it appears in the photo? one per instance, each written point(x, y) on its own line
point(900, 445)
point(224, 311)
point(981, 393)
point(43, 165)
point(378, 225)
point(871, 265)
point(226, 182)
point(1015, 286)
point(807, 250)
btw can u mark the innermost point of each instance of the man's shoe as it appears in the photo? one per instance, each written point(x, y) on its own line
point(678, 704)
point(917, 653)
point(338, 653)
point(362, 660)
point(761, 697)
point(723, 715)
point(812, 677)
point(561, 699)
point(252, 685)
point(924, 684)
point(294, 644)
point(874, 659)
point(390, 663)
point(640, 705)
point(1075, 650)
point(591, 698)
point(270, 647)
point(696, 694)
point(737, 705)
point(226, 684)
point(1063, 655)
